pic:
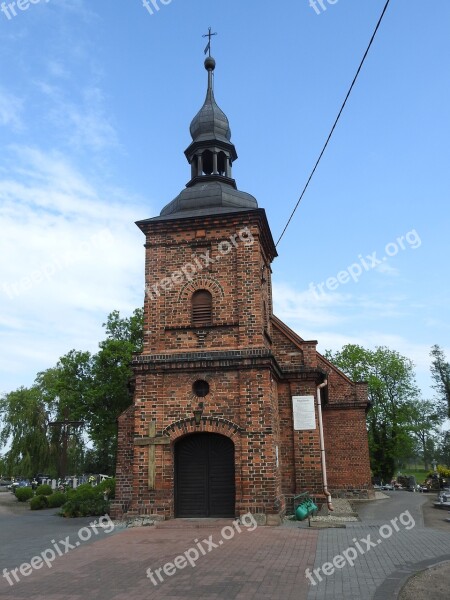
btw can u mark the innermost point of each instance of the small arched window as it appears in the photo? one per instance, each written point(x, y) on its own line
point(222, 164)
point(201, 308)
point(207, 162)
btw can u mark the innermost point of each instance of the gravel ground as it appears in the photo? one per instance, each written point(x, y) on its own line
point(434, 583)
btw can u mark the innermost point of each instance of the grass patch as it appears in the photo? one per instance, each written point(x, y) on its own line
point(419, 474)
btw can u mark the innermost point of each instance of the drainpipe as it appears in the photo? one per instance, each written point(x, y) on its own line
point(322, 446)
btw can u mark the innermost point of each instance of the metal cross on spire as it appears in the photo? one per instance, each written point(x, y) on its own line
point(209, 35)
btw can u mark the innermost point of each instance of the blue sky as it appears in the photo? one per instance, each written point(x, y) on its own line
point(96, 98)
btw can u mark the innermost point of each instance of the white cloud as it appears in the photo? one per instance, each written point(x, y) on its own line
point(90, 126)
point(306, 306)
point(11, 108)
point(82, 122)
point(335, 320)
point(73, 254)
point(387, 269)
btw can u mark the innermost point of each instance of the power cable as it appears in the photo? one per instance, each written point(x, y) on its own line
point(336, 121)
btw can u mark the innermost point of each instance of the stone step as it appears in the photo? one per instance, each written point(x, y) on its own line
point(193, 523)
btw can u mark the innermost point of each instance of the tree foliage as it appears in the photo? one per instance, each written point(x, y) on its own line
point(440, 372)
point(424, 420)
point(392, 392)
point(93, 389)
point(25, 427)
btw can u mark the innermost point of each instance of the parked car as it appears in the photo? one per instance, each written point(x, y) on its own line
point(388, 486)
point(16, 484)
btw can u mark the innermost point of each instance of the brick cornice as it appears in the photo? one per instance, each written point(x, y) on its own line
point(208, 222)
point(203, 355)
point(346, 405)
point(225, 360)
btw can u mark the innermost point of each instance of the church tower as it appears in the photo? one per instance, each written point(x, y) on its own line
point(211, 431)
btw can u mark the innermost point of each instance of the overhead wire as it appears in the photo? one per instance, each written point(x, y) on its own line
point(336, 121)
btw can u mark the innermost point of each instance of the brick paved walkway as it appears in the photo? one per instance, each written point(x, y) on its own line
point(380, 572)
point(263, 564)
point(267, 563)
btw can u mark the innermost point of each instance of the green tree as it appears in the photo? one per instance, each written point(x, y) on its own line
point(110, 393)
point(443, 449)
point(65, 389)
point(392, 387)
point(440, 372)
point(24, 420)
point(424, 421)
point(3, 467)
point(94, 389)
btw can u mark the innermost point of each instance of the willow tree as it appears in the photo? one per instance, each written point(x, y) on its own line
point(24, 427)
point(440, 372)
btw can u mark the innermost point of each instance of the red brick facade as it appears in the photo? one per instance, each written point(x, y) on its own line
point(208, 321)
point(253, 364)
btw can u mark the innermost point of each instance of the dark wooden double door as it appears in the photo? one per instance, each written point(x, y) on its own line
point(204, 476)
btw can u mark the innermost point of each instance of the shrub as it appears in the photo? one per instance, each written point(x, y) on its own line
point(88, 501)
point(56, 500)
point(95, 507)
point(84, 491)
point(44, 490)
point(38, 502)
point(108, 486)
point(443, 471)
point(24, 494)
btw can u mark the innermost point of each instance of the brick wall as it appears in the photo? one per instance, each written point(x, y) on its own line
point(125, 457)
point(253, 363)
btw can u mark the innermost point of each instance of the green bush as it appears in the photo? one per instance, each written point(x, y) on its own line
point(95, 507)
point(44, 490)
point(108, 486)
point(89, 501)
point(443, 471)
point(24, 494)
point(83, 492)
point(38, 502)
point(56, 500)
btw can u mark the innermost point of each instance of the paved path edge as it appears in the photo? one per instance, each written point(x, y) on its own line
point(394, 584)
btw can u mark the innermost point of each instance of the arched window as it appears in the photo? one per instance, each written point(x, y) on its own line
point(222, 164)
point(201, 308)
point(207, 162)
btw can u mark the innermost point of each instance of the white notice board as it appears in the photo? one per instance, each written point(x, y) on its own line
point(304, 413)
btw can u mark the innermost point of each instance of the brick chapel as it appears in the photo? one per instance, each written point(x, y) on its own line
point(233, 412)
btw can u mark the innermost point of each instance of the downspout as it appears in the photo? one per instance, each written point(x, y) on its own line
point(322, 446)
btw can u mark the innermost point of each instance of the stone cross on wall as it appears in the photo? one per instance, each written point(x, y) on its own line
point(151, 441)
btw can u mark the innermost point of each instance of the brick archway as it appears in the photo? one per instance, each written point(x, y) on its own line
point(208, 424)
point(205, 282)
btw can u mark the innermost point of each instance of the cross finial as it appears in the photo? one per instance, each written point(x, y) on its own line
point(209, 36)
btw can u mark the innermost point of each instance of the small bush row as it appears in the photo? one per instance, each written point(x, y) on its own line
point(23, 494)
point(39, 502)
point(84, 501)
point(88, 501)
point(44, 490)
